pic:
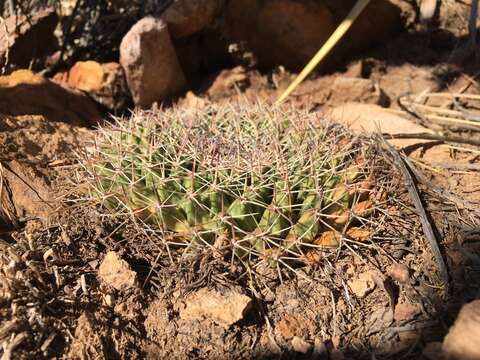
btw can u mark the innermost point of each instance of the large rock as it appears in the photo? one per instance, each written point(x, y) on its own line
point(27, 38)
point(186, 17)
point(150, 63)
point(461, 342)
point(289, 33)
point(26, 93)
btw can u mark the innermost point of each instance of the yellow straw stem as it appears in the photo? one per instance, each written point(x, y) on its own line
point(325, 49)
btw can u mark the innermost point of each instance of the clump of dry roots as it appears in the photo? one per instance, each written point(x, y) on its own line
point(256, 185)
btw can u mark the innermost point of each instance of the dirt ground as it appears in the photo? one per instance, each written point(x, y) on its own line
point(382, 299)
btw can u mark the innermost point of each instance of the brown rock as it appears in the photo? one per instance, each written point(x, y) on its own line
point(461, 342)
point(222, 308)
point(400, 273)
point(406, 311)
point(370, 119)
point(362, 285)
point(345, 89)
point(105, 83)
point(25, 192)
point(27, 39)
point(116, 272)
point(86, 76)
point(26, 93)
point(87, 343)
point(150, 63)
point(289, 33)
point(226, 81)
point(186, 17)
point(300, 345)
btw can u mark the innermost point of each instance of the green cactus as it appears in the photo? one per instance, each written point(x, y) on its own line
point(268, 181)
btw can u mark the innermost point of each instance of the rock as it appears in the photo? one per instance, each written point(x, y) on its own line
point(345, 89)
point(25, 192)
point(222, 308)
point(400, 273)
point(228, 80)
point(408, 79)
point(289, 327)
point(461, 342)
point(105, 83)
point(361, 285)
point(151, 66)
point(26, 93)
point(289, 33)
point(300, 345)
point(186, 17)
point(116, 272)
point(379, 320)
point(428, 8)
point(27, 38)
point(370, 119)
point(406, 311)
point(87, 343)
point(193, 102)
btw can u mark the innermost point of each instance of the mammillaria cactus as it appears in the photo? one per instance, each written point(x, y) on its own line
point(250, 182)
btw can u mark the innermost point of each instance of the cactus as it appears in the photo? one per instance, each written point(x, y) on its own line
point(269, 182)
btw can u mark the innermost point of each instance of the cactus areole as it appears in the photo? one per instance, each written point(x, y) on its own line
point(252, 182)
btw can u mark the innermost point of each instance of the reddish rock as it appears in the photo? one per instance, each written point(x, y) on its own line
point(86, 76)
point(151, 66)
point(186, 17)
point(105, 83)
point(27, 39)
point(26, 93)
point(289, 33)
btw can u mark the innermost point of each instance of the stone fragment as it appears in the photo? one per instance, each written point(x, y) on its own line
point(222, 308)
point(25, 38)
point(151, 66)
point(87, 342)
point(371, 119)
point(226, 81)
point(406, 311)
point(300, 345)
point(362, 285)
point(346, 89)
point(462, 340)
point(117, 273)
point(26, 93)
point(187, 17)
point(400, 273)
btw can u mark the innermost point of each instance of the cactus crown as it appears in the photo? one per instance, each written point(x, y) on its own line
point(249, 182)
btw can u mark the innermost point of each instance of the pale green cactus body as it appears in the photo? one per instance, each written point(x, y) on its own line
point(265, 182)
